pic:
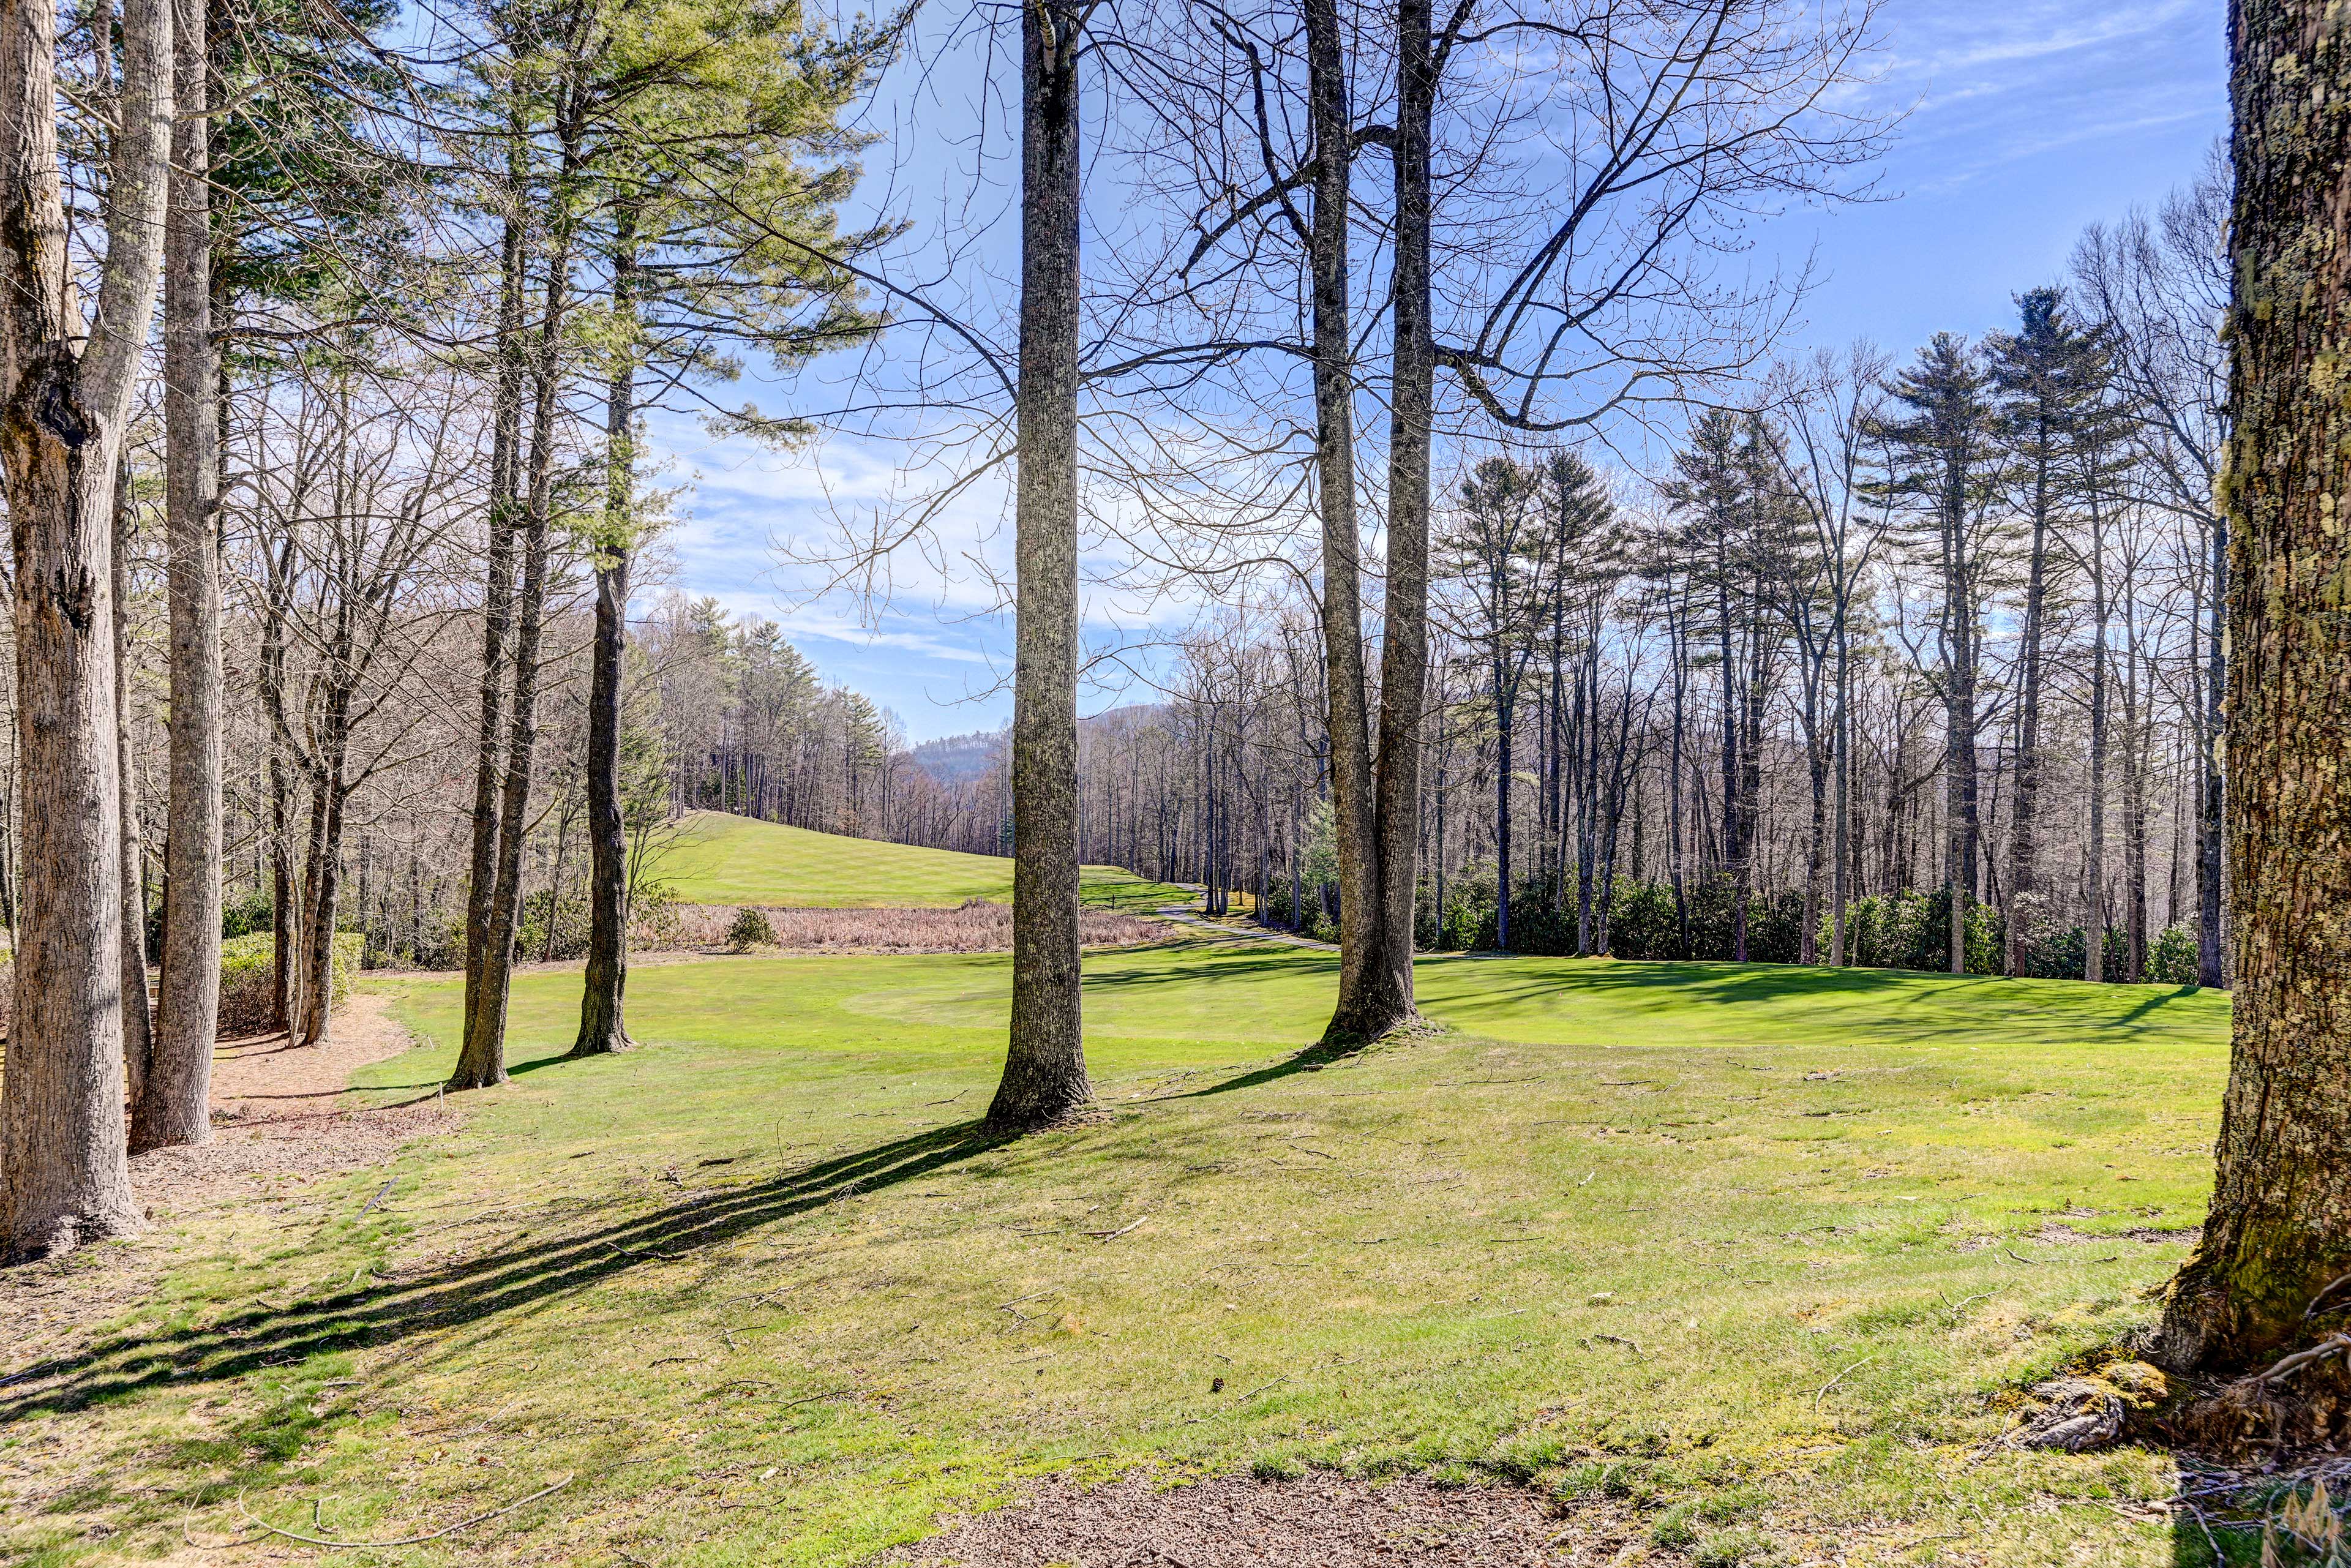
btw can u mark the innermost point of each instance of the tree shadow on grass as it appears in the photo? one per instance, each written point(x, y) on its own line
point(1313, 1059)
point(506, 1277)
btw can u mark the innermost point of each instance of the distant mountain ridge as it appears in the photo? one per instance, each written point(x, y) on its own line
point(960, 758)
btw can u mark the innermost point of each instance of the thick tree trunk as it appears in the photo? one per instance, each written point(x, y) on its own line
point(2277, 1237)
point(603, 1024)
point(482, 1060)
point(175, 1107)
point(1388, 1000)
point(1045, 1058)
point(1352, 809)
point(63, 1092)
point(480, 1063)
point(64, 405)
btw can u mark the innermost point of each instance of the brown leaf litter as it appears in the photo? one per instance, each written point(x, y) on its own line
point(1324, 1520)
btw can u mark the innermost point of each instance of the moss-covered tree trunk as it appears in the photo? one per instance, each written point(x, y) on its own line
point(2278, 1232)
point(1045, 1062)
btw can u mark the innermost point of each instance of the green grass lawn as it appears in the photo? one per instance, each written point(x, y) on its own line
point(718, 858)
point(1760, 1253)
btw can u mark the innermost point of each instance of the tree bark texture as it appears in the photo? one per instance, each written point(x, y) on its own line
point(1388, 1000)
point(176, 1105)
point(2212, 799)
point(2025, 844)
point(1045, 1059)
point(482, 1060)
point(603, 1025)
point(481, 1064)
point(138, 1018)
point(1353, 811)
point(2094, 957)
point(2278, 1236)
point(65, 398)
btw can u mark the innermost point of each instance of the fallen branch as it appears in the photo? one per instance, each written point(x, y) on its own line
point(2332, 1345)
point(405, 1539)
point(1109, 1236)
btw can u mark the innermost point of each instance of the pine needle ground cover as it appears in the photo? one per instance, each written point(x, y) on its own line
point(720, 858)
point(1749, 1259)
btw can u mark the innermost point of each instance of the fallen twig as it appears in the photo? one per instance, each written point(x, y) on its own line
point(2287, 1366)
point(1107, 1236)
point(1261, 1388)
point(1823, 1392)
point(405, 1539)
point(814, 1398)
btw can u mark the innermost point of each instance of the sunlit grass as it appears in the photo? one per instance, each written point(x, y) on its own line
point(1760, 1248)
point(718, 858)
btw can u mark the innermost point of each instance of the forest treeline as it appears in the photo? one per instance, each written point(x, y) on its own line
point(333, 338)
point(1886, 634)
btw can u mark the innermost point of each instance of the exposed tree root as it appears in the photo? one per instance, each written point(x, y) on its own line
point(2297, 1407)
point(1342, 1040)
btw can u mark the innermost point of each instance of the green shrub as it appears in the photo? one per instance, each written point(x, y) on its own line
point(570, 919)
point(656, 918)
point(2172, 960)
point(243, 916)
point(247, 970)
point(751, 929)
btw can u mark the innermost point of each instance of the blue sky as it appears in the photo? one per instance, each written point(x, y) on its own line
point(2028, 120)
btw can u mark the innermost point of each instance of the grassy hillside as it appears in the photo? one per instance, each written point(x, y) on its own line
point(1744, 1258)
point(719, 858)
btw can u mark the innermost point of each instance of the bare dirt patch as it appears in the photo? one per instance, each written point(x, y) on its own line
point(1238, 1522)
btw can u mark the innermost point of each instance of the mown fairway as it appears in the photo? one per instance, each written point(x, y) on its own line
point(1759, 1251)
point(718, 858)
